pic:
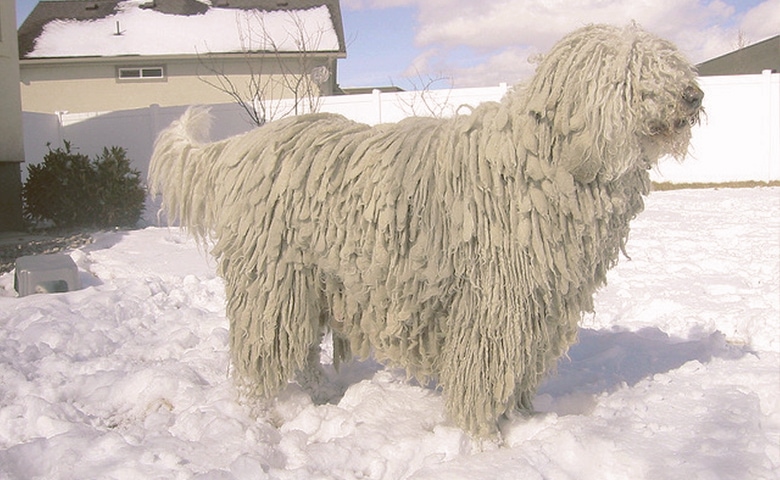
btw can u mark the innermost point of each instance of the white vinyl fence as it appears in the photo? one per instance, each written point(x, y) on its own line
point(739, 138)
point(135, 130)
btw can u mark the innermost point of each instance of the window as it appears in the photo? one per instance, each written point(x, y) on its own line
point(140, 73)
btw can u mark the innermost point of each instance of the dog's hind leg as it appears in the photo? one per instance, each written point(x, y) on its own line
point(312, 377)
point(275, 326)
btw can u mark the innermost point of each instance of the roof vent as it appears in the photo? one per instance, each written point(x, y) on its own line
point(282, 4)
point(93, 6)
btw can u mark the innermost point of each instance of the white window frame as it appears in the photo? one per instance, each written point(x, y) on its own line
point(144, 72)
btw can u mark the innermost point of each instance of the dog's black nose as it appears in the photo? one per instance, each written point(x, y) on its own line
point(692, 95)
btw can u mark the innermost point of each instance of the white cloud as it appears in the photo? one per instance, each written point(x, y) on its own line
point(375, 4)
point(510, 65)
point(505, 33)
point(500, 23)
point(761, 22)
point(498, 36)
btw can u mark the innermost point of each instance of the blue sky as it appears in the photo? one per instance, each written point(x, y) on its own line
point(466, 43)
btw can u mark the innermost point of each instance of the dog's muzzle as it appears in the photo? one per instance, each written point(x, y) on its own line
point(670, 135)
point(690, 108)
point(692, 96)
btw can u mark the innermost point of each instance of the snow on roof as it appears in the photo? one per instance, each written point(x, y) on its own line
point(134, 30)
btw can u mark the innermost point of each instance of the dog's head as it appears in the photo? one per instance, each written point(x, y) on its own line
point(613, 100)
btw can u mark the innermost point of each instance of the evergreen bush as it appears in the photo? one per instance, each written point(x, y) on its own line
point(70, 190)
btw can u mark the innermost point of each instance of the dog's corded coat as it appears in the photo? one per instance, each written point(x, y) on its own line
point(463, 250)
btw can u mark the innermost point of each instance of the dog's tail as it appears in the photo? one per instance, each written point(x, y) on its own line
point(181, 170)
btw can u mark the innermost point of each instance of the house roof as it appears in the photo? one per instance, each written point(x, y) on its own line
point(755, 58)
point(101, 28)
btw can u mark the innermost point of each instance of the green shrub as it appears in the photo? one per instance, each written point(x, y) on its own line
point(70, 190)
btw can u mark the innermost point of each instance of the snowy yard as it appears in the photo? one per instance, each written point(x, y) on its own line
point(676, 375)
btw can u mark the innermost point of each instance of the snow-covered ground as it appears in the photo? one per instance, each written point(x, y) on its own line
point(676, 375)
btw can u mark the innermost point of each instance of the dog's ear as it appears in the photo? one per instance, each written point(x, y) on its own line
point(597, 138)
point(580, 99)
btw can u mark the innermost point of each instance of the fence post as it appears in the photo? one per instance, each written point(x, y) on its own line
point(60, 127)
point(772, 92)
point(377, 105)
point(154, 121)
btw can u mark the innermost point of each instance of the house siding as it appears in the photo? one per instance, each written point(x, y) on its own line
point(78, 83)
point(11, 138)
point(92, 85)
point(11, 146)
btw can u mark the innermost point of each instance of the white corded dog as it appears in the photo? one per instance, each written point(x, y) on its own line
point(464, 250)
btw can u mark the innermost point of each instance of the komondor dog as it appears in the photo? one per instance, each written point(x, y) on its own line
point(463, 250)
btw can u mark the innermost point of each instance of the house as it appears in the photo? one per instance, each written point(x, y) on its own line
point(753, 59)
point(106, 55)
point(11, 143)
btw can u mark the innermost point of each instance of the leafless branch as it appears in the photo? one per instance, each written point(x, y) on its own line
point(422, 99)
point(272, 75)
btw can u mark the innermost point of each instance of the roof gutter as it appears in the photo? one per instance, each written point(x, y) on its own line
point(333, 54)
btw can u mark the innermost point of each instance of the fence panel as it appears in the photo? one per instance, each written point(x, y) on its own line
point(739, 138)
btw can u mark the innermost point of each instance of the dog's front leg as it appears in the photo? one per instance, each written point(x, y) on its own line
point(483, 363)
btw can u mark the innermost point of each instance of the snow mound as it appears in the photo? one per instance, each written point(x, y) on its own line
point(675, 375)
